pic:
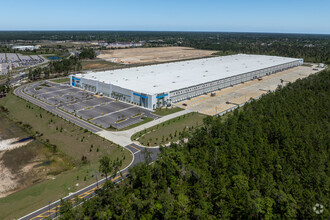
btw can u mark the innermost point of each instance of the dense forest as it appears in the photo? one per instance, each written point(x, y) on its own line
point(266, 160)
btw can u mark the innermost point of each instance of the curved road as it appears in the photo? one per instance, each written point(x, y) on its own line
point(139, 155)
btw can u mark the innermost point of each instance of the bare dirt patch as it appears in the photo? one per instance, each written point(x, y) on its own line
point(7, 179)
point(23, 160)
point(152, 55)
point(12, 143)
point(97, 64)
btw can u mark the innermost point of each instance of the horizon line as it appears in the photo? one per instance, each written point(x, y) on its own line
point(186, 31)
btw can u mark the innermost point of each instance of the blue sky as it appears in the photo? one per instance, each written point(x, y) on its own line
point(280, 16)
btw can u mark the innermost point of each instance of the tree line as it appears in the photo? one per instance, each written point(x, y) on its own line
point(55, 68)
point(266, 160)
point(87, 53)
point(311, 47)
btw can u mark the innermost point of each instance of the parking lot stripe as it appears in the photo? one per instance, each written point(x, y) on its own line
point(124, 109)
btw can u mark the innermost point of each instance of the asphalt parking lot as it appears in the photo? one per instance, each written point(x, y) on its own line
point(102, 111)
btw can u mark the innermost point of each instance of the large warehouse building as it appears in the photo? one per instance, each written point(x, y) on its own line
point(157, 85)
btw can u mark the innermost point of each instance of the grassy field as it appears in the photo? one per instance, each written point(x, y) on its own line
point(23, 202)
point(170, 130)
point(96, 64)
point(71, 141)
point(145, 120)
point(69, 138)
point(61, 80)
point(167, 111)
point(3, 78)
point(29, 164)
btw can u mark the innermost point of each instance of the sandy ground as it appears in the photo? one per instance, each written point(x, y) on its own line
point(241, 93)
point(9, 144)
point(9, 181)
point(152, 55)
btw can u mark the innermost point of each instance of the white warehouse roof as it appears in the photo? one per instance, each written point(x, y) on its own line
point(166, 77)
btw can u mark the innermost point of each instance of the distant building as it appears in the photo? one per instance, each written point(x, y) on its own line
point(124, 44)
point(102, 44)
point(24, 48)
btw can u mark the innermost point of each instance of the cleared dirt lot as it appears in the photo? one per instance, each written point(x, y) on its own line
point(152, 55)
point(241, 93)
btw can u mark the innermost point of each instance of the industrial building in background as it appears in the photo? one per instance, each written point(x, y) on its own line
point(158, 85)
point(24, 48)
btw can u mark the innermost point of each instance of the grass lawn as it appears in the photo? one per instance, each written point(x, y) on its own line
point(166, 111)
point(23, 202)
point(97, 64)
point(3, 78)
point(170, 130)
point(145, 120)
point(61, 80)
point(71, 141)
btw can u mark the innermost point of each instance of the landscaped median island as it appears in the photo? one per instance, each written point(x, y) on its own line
point(167, 111)
point(169, 131)
point(144, 121)
point(70, 156)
